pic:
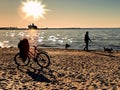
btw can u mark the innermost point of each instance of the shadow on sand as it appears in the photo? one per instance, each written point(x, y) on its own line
point(107, 54)
point(103, 54)
point(38, 77)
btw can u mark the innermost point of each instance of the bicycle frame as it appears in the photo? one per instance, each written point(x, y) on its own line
point(41, 58)
point(33, 54)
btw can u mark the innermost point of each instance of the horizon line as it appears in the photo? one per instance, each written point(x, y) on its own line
point(43, 28)
point(54, 27)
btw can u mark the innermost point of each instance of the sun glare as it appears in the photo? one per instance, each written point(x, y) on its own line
point(34, 9)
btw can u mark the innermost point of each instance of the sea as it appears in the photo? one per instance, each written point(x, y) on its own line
point(57, 38)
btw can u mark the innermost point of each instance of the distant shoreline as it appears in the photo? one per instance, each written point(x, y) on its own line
point(16, 28)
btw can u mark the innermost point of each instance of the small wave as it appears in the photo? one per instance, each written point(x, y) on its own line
point(46, 45)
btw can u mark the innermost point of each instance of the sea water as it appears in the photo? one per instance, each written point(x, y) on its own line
point(57, 38)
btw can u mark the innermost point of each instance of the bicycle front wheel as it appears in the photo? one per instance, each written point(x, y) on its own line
point(43, 60)
point(19, 61)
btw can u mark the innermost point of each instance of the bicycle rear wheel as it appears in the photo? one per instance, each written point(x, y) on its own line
point(43, 60)
point(20, 62)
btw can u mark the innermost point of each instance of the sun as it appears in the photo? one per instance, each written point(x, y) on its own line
point(34, 9)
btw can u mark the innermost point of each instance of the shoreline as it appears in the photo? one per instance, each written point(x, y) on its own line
point(49, 48)
point(69, 69)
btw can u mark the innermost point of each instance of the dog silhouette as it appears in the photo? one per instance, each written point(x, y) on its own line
point(66, 46)
point(108, 49)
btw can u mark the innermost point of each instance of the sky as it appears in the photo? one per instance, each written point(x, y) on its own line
point(65, 13)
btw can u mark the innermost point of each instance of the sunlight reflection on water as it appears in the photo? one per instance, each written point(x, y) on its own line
point(58, 38)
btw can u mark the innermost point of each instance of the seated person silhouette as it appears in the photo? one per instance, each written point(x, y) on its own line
point(23, 46)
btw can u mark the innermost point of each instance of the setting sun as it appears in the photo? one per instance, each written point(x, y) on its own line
point(33, 9)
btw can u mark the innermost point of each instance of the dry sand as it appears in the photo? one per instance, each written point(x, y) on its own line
point(69, 70)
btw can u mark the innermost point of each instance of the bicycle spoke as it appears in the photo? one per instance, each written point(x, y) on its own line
point(43, 60)
point(20, 62)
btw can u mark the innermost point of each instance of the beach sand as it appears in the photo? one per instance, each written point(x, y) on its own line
point(69, 70)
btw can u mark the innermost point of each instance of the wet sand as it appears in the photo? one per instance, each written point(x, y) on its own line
point(69, 70)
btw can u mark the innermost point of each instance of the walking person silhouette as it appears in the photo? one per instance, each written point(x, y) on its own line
point(86, 39)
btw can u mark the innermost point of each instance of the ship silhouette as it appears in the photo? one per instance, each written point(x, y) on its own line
point(32, 26)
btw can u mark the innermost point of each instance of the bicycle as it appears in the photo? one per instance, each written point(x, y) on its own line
point(40, 57)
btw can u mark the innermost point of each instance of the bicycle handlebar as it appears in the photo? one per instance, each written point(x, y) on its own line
point(35, 47)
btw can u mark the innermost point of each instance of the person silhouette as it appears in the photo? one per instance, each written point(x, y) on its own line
point(23, 46)
point(86, 39)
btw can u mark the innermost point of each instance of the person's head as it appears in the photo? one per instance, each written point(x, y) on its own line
point(87, 32)
point(25, 39)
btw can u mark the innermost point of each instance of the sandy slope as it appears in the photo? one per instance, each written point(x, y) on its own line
point(69, 70)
